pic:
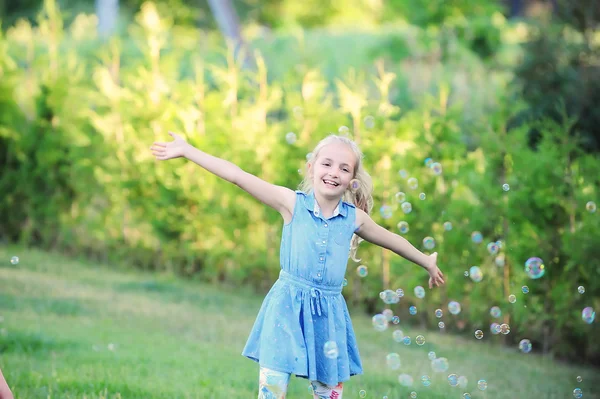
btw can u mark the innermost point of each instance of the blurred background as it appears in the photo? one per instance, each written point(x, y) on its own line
point(492, 106)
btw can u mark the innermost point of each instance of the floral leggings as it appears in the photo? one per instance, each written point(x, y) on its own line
point(273, 385)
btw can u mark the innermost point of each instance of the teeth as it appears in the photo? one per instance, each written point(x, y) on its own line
point(329, 182)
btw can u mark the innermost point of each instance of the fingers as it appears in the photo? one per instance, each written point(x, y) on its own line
point(430, 283)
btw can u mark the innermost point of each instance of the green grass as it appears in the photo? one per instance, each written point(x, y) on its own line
point(73, 329)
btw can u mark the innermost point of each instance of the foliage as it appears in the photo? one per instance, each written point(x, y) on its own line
point(78, 174)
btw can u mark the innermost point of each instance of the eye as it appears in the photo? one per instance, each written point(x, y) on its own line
point(346, 170)
point(325, 164)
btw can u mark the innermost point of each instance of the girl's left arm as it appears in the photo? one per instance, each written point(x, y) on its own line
point(376, 234)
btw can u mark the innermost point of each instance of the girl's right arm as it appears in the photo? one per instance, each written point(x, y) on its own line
point(280, 198)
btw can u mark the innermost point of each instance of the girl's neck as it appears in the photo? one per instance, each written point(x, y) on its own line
point(327, 205)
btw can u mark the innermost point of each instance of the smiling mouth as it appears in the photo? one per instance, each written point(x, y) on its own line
point(330, 185)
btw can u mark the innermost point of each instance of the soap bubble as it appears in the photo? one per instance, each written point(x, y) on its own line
point(403, 173)
point(462, 381)
point(400, 197)
point(406, 340)
point(525, 289)
point(591, 206)
point(388, 313)
point(345, 283)
point(512, 298)
point(426, 380)
point(476, 274)
point(405, 380)
point(406, 207)
point(482, 385)
point(478, 334)
point(428, 162)
point(436, 167)
point(440, 365)
point(395, 319)
point(500, 260)
point(466, 395)
point(441, 325)
point(525, 346)
point(403, 227)
point(380, 322)
point(362, 271)
point(412, 310)
point(428, 242)
point(431, 356)
point(438, 313)
point(290, 138)
point(386, 211)
point(579, 379)
point(389, 297)
point(393, 361)
point(577, 393)
point(534, 267)
point(581, 289)
point(331, 350)
point(369, 122)
point(343, 130)
point(362, 393)
point(495, 312)
point(14, 260)
point(447, 226)
point(400, 292)
point(505, 187)
point(398, 335)
point(422, 196)
point(495, 328)
point(413, 395)
point(419, 292)
point(476, 237)
point(453, 380)
point(454, 307)
point(413, 183)
point(504, 328)
point(420, 340)
point(492, 248)
point(588, 315)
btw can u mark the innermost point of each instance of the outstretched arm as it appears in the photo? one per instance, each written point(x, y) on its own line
point(277, 197)
point(375, 234)
point(5, 392)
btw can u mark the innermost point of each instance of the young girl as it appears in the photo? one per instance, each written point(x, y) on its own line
point(303, 326)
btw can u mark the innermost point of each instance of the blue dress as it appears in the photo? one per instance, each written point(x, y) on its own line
point(305, 308)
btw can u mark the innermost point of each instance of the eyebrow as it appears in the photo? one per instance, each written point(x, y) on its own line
point(329, 159)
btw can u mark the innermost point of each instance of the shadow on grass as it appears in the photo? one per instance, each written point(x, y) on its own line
point(32, 343)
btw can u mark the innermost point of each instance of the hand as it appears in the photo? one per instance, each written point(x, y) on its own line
point(174, 149)
point(436, 277)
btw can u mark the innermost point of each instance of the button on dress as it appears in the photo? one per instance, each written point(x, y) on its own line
point(305, 308)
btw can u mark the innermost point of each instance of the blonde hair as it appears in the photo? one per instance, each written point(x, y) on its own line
point(362, 197)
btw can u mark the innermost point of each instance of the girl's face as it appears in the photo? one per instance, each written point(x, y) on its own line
point(333, 169)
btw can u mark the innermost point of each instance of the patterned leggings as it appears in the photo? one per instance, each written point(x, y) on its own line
point(273, 385)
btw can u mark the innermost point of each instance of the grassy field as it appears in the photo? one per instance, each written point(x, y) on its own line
point(72, 329)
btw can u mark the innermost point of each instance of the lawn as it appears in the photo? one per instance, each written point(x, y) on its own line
point(77, 329)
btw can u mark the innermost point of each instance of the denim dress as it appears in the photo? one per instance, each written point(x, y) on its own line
point(305, 308)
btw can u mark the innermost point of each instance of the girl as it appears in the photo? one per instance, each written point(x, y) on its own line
point(303, 326)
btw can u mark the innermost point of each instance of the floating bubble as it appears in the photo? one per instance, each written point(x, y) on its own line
point(426, 380)
point(413, 395)
point(309, 156)
point(403, 227)
point(422, 196)
point(478, 334)
point(588, 315)
point(495, 328)
point(454, 307)
point(331, 350)
point(579, 379)
point(591, 207)
point(492, 248)
point(403, 174)
point(395, 319)
point(380, 322)
point(386, 211)
point(504, 328)
point(431, 356)
point(388, 314)
point(505, 187)
point(405, 380)
point(525, 346)
point(389, 297)
point(362, 393)
point(428, 162)
point(412, 310)
point(476, 274)
point(581, 289)
point(577, 393)
point(495, 312)
point(534, 267)
point(369, 122)
point(345, 283)
point(466, 273)
point(462, 381)
point(499, 244)
point(14, 260)
point(438, 313)
point(525, 289)
point(440, 365)
point(453, 380)
point(512, 298)
point(406, 340)
point(398, 335)
point(441, 325)
point(500, 260)
point(466, 395)
point(436, 167)
point(406, 207)
point(400, 197)
point(343, 130)
point(420, 340)
point(476, 237)
point(428, 242)
point(413, 183)
point(400, 292)
point(362, 271)
point(290, 138)
point(393, 361)
point(447, 226)
point(482, 385)
point(355, 185)
point(419, 292)
point(298, 111)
